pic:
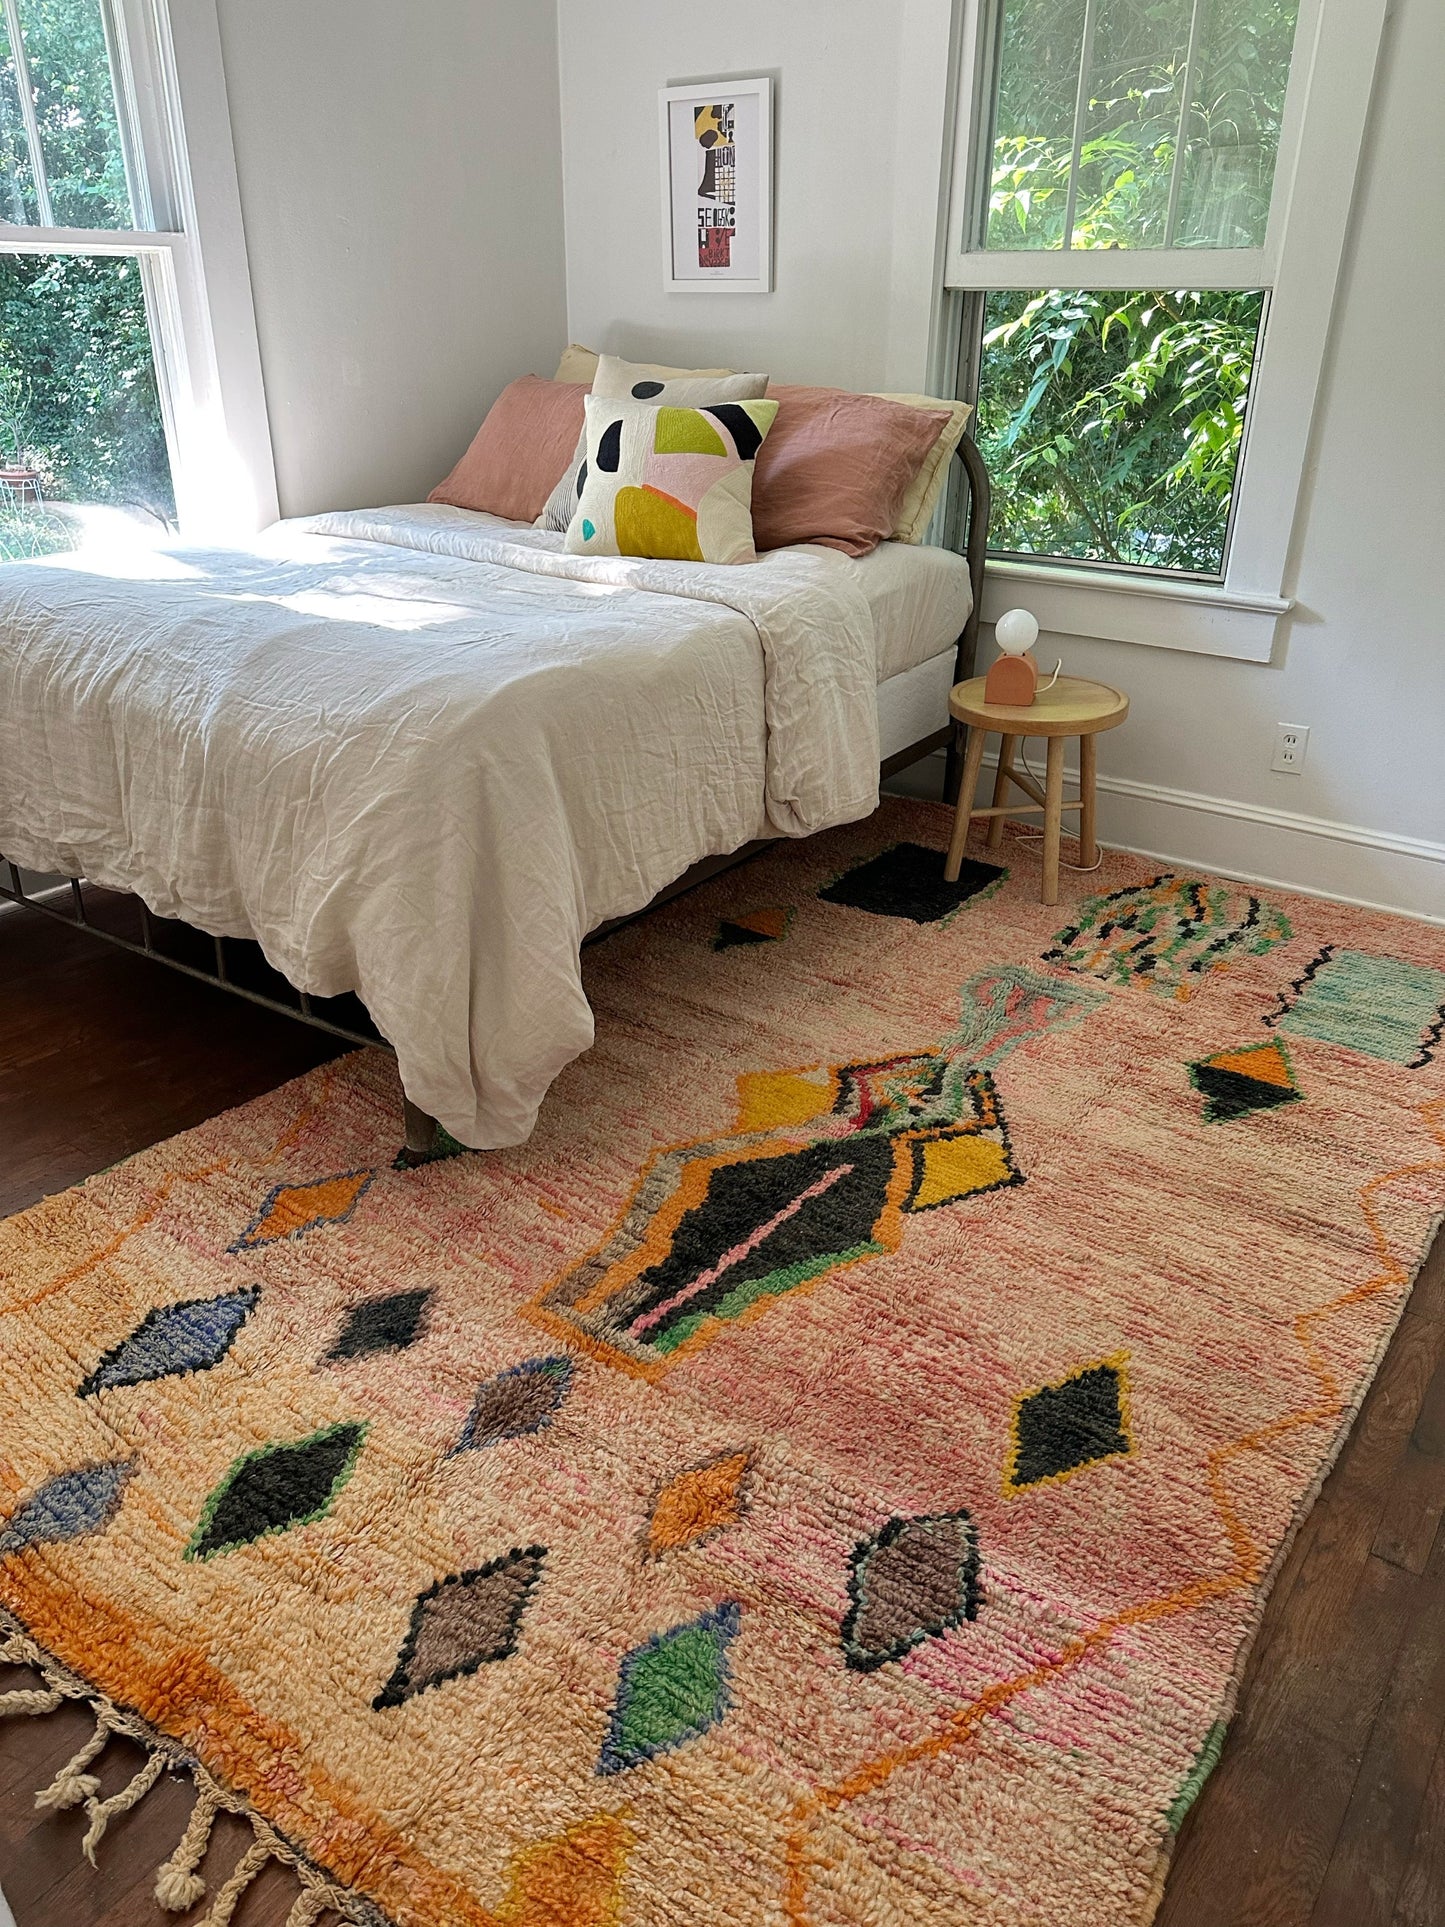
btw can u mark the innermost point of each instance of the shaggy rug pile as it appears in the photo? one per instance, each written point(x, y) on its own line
point(829, 1475)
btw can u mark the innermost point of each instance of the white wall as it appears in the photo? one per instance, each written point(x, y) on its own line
point(861, 89)
point(401, 187)
point(859, 122)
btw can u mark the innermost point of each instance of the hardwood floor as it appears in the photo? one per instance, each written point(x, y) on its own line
point(1328, 1807)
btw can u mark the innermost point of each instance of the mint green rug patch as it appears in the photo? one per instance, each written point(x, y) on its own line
point(1377, 1005)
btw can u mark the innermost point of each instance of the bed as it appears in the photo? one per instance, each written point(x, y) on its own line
point(420, 754)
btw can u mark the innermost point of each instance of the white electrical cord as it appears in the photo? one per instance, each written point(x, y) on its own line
point(1027, 830)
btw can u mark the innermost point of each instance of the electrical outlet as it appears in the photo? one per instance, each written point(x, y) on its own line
point(1291, 741)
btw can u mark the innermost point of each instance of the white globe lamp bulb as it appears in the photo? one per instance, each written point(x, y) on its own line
point(1015, 632)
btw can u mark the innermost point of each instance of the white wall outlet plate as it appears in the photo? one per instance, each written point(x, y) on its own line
point(1291, 741)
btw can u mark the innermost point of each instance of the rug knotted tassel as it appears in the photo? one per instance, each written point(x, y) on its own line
point(229, 1897)
point(30, 1700)
point(72, 1783)
point(309, 1908)
point(178, 1885)
point(102, 1812)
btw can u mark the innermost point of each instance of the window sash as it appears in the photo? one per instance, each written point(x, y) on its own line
point(1337, 46)
point(167, 71)
point(970, 264)
point(1124, 268)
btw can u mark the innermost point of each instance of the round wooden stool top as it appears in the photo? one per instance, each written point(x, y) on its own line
point(1073, 707)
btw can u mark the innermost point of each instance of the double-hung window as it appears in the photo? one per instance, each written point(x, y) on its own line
point(1148, 211)
point(130, 398)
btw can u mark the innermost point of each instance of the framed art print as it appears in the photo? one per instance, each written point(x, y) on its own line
point(717, 187)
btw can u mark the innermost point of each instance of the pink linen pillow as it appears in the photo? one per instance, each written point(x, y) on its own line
point(525, 443)
point(836, 466)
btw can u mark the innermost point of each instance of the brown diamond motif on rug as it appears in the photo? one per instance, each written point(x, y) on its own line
point(462, 1623)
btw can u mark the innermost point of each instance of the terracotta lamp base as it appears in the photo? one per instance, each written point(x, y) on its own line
point(1012, 681)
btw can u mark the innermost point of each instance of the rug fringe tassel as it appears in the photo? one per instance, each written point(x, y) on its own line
point(229, 1897)
point(102, 1812)
point(309, 1908)
point(178, 1885)
point(72, 1783)
point(30, 1701)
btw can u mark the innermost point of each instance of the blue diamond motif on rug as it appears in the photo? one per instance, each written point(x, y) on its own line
point(188, 1337)
point(69, 1506)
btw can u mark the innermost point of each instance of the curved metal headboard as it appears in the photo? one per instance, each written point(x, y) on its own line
point(975, 545)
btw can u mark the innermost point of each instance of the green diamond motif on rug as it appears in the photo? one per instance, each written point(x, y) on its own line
point(672, 1689)
point(277, 1488)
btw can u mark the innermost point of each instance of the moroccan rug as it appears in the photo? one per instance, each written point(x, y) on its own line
point(830, 1475)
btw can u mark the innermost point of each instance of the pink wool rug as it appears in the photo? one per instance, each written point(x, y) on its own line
point(831, 1474)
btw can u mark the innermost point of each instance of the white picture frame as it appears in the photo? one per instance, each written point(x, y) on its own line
point(717, 205)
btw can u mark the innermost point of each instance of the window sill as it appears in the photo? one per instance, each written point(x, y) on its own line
point(1202, 617)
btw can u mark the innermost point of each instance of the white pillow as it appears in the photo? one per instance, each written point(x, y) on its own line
point(579, 364)
point(618, 380)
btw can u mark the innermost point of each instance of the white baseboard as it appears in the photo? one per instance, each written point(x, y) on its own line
point(1280, 848)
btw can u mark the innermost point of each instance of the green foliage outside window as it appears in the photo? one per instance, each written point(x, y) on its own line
point(78, 398)
point(1113, 421)
point(79, 404)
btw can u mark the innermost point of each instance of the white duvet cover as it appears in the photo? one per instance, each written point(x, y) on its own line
point(418, 754)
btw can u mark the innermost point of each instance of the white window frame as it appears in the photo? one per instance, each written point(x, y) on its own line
point(190, 245)
point(1336, 49)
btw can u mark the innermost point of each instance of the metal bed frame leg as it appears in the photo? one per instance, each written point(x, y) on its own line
point(423, 1133)
point(952, 768)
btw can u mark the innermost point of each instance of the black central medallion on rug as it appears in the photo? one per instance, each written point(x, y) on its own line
point(907, 880)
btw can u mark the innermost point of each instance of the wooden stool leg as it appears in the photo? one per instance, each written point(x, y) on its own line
point(971, 765)
point(1088, 847)
point(1001, 788)
point(1053, 816)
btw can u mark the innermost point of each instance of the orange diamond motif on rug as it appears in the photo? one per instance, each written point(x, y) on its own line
point(292, 1209)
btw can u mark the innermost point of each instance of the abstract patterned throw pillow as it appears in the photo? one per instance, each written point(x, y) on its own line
point(647, 381)
point(669, 482)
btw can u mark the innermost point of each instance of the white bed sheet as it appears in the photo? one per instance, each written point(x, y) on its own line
point(919, 598)
point(418, 754)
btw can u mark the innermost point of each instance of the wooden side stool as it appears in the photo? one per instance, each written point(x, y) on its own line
point(1071, 707)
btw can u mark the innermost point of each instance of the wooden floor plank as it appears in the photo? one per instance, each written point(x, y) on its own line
point(1320, 1801)
point(1375, 1841)
point(1421, 1899)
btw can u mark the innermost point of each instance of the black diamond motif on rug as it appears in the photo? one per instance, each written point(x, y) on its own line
point(1062, 1427)
point(1229, 1095)
point(765, 1224)
point(907, 881)
point(277, 1487)
point(381, 1325)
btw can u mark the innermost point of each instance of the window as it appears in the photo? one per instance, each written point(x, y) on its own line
point(1148, 211)
point(130, 398)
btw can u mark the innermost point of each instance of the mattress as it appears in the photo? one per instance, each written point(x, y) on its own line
point(920, 598)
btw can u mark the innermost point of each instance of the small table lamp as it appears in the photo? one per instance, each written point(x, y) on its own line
point(1014, 678)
